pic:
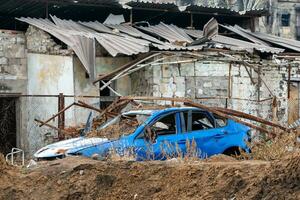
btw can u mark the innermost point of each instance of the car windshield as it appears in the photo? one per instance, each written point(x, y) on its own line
point(124, 124)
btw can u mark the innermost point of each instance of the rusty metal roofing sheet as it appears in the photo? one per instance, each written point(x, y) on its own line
point(169, 32)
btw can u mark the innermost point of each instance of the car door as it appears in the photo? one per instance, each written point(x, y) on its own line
point(162, 144)
point(200, 134)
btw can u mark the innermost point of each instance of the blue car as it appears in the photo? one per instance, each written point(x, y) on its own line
point(158, 135)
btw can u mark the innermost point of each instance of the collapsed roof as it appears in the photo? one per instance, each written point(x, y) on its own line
point(124, 39)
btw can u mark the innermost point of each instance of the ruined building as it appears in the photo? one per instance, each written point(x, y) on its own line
point(48, 63)
point(284, 19)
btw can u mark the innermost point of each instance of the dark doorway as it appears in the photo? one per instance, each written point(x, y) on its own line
point(8, 124)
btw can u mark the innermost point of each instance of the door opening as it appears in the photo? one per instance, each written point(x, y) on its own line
point(8, 124)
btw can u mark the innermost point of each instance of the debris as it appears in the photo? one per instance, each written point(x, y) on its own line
point(32, 164)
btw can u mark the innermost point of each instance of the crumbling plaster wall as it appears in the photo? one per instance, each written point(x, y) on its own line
point(209, 82)
point(47, 75)
point(83, 85)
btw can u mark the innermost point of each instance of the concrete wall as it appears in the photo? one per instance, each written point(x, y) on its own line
point(210, 80)
point(47, 75)
point(83, 85)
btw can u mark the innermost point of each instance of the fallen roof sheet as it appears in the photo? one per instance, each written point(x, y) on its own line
point(245, 35)
point(169, 32)
point(124, 28)
point(279, 41)
point(83, 46)
point(116, 45)
point(234, 44)
point(97, 26)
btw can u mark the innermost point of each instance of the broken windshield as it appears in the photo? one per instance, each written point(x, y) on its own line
point(124, 124)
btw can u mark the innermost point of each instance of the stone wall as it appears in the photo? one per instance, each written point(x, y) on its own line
point(209, 82)
point(38, 41)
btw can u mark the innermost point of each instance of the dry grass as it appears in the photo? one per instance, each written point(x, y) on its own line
point(275, 149)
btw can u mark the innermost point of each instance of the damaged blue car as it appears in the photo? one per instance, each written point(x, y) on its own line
point(158, 135)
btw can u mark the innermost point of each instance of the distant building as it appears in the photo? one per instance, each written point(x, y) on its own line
point(284, 19)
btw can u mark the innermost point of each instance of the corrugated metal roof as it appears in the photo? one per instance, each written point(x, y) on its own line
point(282, 42)
point(239, 7)
point(169, 32)
point(263, 38)
point(97, 26)
point(84, 47)
point(235, 44)
point(116, 45)
point(124, 28)
point(245, 35)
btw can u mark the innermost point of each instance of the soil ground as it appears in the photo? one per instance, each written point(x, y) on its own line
point(219, 177)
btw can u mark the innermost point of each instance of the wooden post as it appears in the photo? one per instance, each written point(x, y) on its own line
point(289, 82)
point(131, 16)
point(192, 20)
point(61, 117)
point(229, 84)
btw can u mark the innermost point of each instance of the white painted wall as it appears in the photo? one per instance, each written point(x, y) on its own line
point(47, 75)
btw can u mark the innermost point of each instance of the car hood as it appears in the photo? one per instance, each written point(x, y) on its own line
point(68, 147)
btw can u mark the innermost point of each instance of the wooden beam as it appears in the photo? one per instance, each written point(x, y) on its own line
point(48, 120)
point(50, 126)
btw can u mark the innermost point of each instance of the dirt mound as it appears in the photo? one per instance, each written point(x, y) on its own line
point(220, 158)
point(283, 180)
point(79, 178)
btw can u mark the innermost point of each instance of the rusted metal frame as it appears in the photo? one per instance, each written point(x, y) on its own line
point(57, 114)
point(221, 114)
point(127, 65)
point(289, 81)
point(40, 95)
point(223, 97)
point(190, 103)
point(61, 117)
point(85, 105)
point(129, 68)
point(250, 117)
point(110, 107)
point(50, 126)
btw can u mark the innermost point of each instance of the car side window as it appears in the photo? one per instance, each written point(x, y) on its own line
point(165, 125)
point(201, 121)
point(220, 121)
